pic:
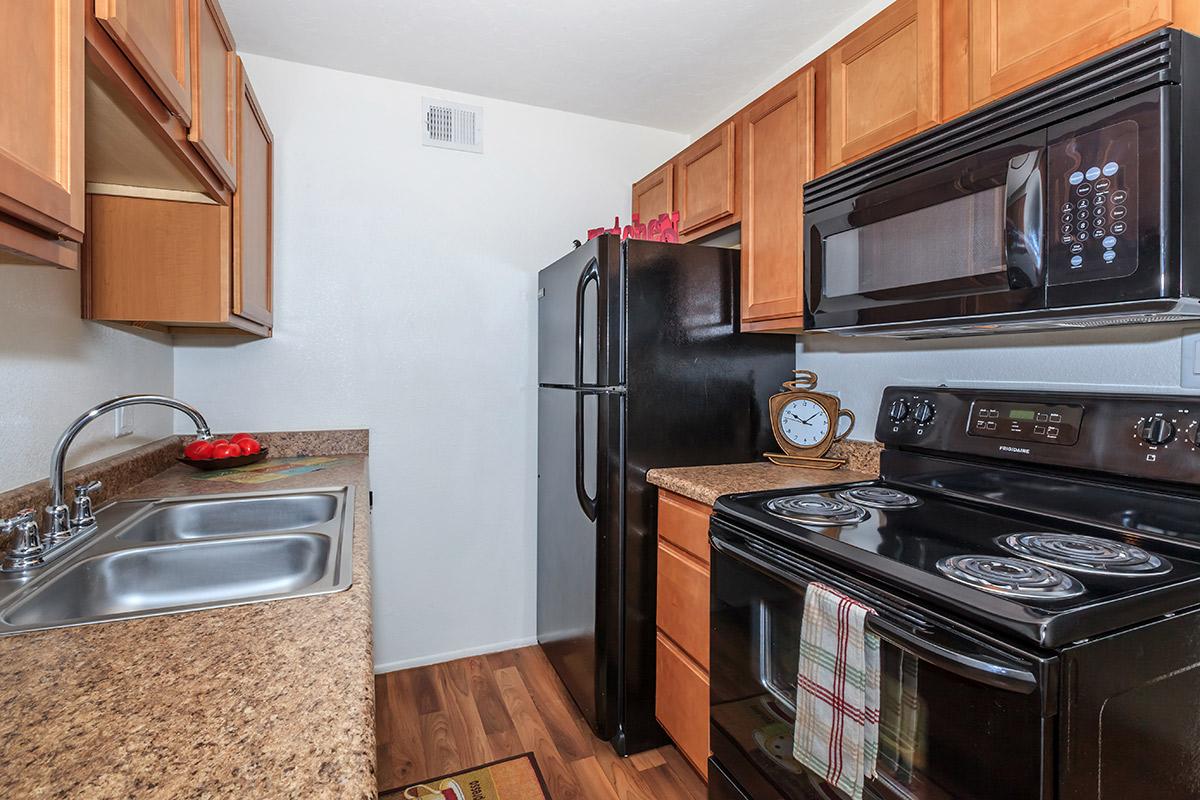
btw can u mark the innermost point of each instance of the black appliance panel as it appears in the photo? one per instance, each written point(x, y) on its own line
point(1133, 722)
point(1142, 436)
point(946, 695)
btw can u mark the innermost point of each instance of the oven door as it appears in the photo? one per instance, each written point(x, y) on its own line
point(961, 239)
point(961, 716)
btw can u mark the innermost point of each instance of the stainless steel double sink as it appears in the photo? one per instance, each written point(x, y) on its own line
point(176, 554)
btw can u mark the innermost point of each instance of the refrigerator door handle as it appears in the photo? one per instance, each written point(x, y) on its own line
point(590, 274)
point(587, 503)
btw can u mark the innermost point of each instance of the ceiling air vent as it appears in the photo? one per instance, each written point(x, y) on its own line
point(453, 125)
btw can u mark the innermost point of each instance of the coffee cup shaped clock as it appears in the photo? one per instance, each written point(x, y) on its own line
point(805, 424)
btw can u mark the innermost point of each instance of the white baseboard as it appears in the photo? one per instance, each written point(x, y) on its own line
point(423, 661)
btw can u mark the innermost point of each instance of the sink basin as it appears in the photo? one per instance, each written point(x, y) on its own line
point(161, 578)
point(196, 519)
point(169, 555)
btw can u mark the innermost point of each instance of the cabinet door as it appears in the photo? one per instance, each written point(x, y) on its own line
point(214, 90)
point(884, 80)
point(41, 116)
point(706, 191)
point(681, 702)
point(252, 218)
point(1014, 43)
point(155, 35)
point(655, 194)
point(778, 157)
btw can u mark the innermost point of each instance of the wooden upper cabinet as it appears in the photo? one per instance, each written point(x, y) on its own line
point(41, 123)
point(252, 209)
point(655, 194)
point(1014, 43)
point(884, 79)
point(155, 36)
point(778, 159)
point(706, 180)
point(214, 90)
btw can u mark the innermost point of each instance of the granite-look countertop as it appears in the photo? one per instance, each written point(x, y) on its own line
point(269, 700)
point(706, 484)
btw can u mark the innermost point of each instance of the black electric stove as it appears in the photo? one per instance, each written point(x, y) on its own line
point(1034, 563)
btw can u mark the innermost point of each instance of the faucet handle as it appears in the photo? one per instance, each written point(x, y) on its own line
point(24, 516)
point(84, 489)
point(84, 518)
point(25, 549)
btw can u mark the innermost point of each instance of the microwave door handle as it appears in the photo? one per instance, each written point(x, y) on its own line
point(965, 665)
point(1024, 213)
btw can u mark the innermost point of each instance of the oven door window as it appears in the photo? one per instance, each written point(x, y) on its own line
point(942, 735)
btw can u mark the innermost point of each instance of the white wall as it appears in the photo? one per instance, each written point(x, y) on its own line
point(406, 302)
point(54, 366)
point(1136, 359)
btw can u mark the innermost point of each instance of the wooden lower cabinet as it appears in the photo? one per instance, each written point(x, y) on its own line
point(682, 649)
point(681, 704)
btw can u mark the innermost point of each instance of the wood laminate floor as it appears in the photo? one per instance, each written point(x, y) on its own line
point(449, 717)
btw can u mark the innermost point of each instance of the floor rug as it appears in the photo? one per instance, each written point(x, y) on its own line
point(515, 778)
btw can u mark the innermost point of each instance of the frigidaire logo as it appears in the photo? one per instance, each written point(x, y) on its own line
point(1006, 449)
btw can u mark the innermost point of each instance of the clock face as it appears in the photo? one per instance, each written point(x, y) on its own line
point(804, 422)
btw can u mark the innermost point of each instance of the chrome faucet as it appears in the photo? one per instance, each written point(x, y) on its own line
point(28, 548)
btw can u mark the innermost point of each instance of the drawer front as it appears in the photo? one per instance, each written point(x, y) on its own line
point(682, 703)
point(683, 602)
point(684, 523)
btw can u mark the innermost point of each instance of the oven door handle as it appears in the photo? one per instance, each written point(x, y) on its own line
point(989, 672)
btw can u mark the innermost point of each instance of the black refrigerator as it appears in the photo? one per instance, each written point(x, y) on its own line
point(639, 366)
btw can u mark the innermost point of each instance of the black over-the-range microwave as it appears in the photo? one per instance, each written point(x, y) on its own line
point(1072, 204)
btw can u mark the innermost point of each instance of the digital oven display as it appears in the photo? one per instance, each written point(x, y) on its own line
point(1025, 422)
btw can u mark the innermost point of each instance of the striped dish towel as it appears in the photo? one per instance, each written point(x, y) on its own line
point(837, 692)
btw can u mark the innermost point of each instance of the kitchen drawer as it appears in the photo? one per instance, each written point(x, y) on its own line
point(683, 601)
point(682, 703)
point(684, 523)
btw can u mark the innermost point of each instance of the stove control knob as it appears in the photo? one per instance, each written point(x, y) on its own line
point(1157, 430)
point(898, 410)
point(923, 413)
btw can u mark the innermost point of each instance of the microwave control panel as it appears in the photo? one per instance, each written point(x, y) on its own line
point(1092, 204)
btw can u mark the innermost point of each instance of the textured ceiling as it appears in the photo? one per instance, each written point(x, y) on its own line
point(671, 64)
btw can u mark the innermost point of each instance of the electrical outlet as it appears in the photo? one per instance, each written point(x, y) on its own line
point(1189, 368)
point(123, 422)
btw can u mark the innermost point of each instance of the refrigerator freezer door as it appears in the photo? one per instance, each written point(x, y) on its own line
point(579, 317)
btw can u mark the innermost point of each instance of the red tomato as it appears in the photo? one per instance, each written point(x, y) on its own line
point(226, 450)
point(249, 446)
point(237, 437)
point(199, 450)
point(217, 442)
